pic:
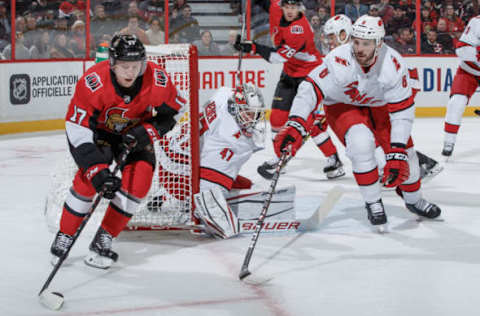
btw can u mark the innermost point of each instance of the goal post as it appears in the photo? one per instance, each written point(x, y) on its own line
point(169, 203)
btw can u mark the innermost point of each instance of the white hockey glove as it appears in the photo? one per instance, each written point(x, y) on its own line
point(212, 210)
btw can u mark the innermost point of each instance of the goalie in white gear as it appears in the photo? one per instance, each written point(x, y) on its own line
point(232, 127)
point(365, 88)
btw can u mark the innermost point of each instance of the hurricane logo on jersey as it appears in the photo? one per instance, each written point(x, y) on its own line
point(116, 121)
point(93, 82)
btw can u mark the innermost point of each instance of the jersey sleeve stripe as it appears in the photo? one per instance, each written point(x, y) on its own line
point(402, 105)
point(217, 177)
point(318, 91)
point(462, 44)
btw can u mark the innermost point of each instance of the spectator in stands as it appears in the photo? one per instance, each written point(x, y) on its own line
point(101, 24)
point(323, 14)
point(426, 20)
point(113, 8)
point(385, 10)
point(77, 41)
point(404, 42)
point(398, 21)
point(310, 7)
point(21, 52)
point(355, 10)
point(185, 26)
point(4, 38)
point(152, 8)
point(41, 47)
point(206, 46)
point(154, 33)
point(444, 37)
point(315, 24)
point(227, 49)
point(31, 31)
point(61, 26)
point(47, 21)
point(430, 45)
point(59, 49)
point(133, 9)
point(431, 10)
point(373, 10)
point(179, 4)
point(20, 25)
point(134, 29)
point(456, 34)
point(42, 6)
point(452, 19)
point(5, 18)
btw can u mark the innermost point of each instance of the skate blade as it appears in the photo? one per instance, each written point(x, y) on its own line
point(381, 229)
point(335, 174)
point(426, 219)
point(96, 261)
point(432, 174)
point(446, 158)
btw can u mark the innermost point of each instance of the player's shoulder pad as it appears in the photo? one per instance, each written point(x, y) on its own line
point(340, 64)
point(96, 77)
point(393, 66)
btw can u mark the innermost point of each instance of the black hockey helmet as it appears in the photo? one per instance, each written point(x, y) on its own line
point(285, 2)
point(127, 48)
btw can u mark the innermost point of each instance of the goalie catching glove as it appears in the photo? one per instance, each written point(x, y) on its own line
point(396, 171)
point(292, 133)
point(212, 210)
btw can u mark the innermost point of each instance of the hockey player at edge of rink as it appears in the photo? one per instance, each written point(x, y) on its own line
point(294, 43)
point(367, 98)
point(338, 30)
point(465, 82)
point(120, 102)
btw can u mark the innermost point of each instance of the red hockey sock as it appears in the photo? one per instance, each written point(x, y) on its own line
point(70, 221)
point(115, 220)
point(327, 147)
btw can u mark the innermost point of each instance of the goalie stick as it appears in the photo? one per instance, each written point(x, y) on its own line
point(248, 256)
point(55, 300)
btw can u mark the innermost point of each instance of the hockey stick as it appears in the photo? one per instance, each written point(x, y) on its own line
point(54, 300)
point(248, 256)
point(242, 36)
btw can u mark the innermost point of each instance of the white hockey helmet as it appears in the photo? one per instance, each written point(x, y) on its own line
point(247, 106)
point(336, 24)
point(369, 27)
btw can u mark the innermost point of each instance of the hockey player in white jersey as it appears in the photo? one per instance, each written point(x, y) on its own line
point(338, 30)
point(232, 127)
point(367, 98)
point(464, 84)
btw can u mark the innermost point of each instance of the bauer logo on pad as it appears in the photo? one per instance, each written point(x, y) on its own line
point(19, 89)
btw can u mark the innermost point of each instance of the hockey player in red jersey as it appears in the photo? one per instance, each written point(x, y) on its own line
point(364, 86)
point(123, 101)
point(293, 39)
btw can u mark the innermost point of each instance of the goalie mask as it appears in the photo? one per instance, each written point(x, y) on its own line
point(127, 48)
point(246, 105)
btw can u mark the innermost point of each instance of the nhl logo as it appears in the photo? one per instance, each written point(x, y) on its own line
point(19, 89)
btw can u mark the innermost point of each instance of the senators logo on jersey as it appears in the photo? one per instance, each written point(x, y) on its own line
point(93, 82)
point(116, 121)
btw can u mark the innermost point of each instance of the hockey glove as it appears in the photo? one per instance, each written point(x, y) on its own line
point(103, 180)
point(319, 125)
point(140, 136)
point(396, 170)
point(293, 133)
point(246, 47)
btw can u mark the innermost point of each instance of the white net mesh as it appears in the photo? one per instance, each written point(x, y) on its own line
point(168, 202)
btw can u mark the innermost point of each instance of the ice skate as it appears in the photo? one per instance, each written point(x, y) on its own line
point(101, 254)
point(334, 168)
point(60, 246)
point(377, 216)
point(425, 209)
point(447, 150)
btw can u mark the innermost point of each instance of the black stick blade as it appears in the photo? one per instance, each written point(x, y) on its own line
point(243, 274)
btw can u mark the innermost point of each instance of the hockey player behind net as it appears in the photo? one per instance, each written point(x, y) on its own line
point(338, 30)
point(465, 82)
point(119, 102)
point(367, 98)
point(232, 126)
point(294, 43)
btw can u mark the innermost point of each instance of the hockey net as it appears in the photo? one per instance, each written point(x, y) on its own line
point(169, 203)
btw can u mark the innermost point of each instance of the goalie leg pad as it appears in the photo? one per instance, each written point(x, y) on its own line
point(212, 210)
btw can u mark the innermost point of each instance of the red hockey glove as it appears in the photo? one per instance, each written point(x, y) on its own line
point(293, 133)
point(319, 125)
point(140, 136)
point(396, 170)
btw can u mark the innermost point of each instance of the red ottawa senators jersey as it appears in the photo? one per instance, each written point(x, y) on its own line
point(297, 45)
point(97, 105)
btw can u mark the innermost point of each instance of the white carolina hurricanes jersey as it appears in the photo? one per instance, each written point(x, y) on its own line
point(467, 47)
point(340, 79)
point(223, 147)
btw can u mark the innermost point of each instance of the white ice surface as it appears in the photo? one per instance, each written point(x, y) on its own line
point(343, 268)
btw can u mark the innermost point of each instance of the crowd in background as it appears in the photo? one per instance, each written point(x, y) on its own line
point(52, 29)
